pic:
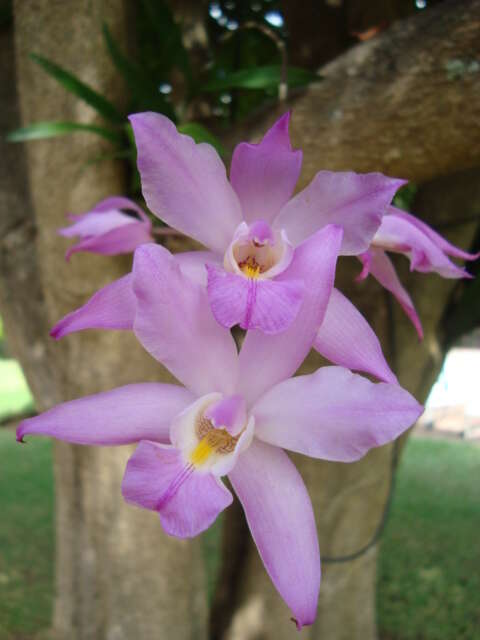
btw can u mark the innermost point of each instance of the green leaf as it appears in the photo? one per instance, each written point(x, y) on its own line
point(71, 83)
point(262, 78)
point(201, 134)
point(143, 89)
point(41, 130)
point(169, 35)
point(132, 74)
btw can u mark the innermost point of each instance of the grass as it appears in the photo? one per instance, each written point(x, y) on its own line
point(429, 569)
point(428, 581)
point(26, 536)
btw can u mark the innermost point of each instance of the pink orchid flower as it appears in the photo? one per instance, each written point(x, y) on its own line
point(108, 228)
point(235, 415)
point(251, 225)
point(427, 251)
point(344, 337)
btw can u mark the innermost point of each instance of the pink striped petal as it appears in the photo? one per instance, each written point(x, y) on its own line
point(443, 244)
point(264, 175)
point(184, 183)
point(123, 239)
point(174, 323)
point(356, 202)
point(268, 305)
point(264, 359)
point(121, 416)
point(280, 516)
point(398, 234)
point(120, 203)
point(96, 223)
point(333, 414)
point(187, 501)
point(112, 307)
point(376, 262)
point(346, 338)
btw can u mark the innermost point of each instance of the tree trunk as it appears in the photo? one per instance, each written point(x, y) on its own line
point(406, 104)
point(118, 576)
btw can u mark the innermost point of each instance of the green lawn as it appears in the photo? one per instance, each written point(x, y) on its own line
point(429, 570)
point(26, 536)
point(429, 578)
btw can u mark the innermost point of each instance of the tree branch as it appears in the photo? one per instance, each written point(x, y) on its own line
point(405, 102)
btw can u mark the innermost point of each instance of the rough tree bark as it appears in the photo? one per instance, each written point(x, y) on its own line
point(407, 104)
point(118, 576)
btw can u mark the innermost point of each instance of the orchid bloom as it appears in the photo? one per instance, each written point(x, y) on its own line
point(114, 225)
point(401, 232)
point(234, 416)
point(344, 337)
point(251, 225)
point(186, 185)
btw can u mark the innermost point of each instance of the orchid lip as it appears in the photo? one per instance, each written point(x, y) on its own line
point(205, 445)
point(258, 252)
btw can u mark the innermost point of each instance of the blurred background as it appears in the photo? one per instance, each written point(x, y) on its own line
point(391, 86)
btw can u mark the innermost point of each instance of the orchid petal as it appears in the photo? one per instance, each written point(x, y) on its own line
point(123, 415)
point(356, 202)
point(174, 323)
point(397, 233)
point(112, 307)
point(333, 414)
point(264, 175)
point(346, 338)
point(187, 501)
point(184, 183)
point(265, 360)
point(113, 212)
point(120, 203)
point(268, 305)
point(443, 244)
point(93, 223)
point(280, 516)
point(376, 262)
point(193, 264)
point(124, 239)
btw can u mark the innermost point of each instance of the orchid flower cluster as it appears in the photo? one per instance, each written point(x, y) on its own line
point(268, 266)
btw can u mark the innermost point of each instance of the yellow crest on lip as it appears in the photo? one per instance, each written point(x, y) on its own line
point(251, 271)
point(215, 441)
point(201, 453)
point(250, 267)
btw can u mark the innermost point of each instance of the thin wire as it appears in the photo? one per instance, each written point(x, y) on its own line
point(383, 521)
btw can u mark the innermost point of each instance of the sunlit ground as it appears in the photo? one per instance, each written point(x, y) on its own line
point(15, 396)
point(453, 405)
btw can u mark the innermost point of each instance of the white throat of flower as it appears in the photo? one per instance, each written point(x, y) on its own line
point(258, 258)
point(208, 447)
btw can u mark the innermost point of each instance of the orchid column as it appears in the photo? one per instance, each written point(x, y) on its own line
point(115, 578)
